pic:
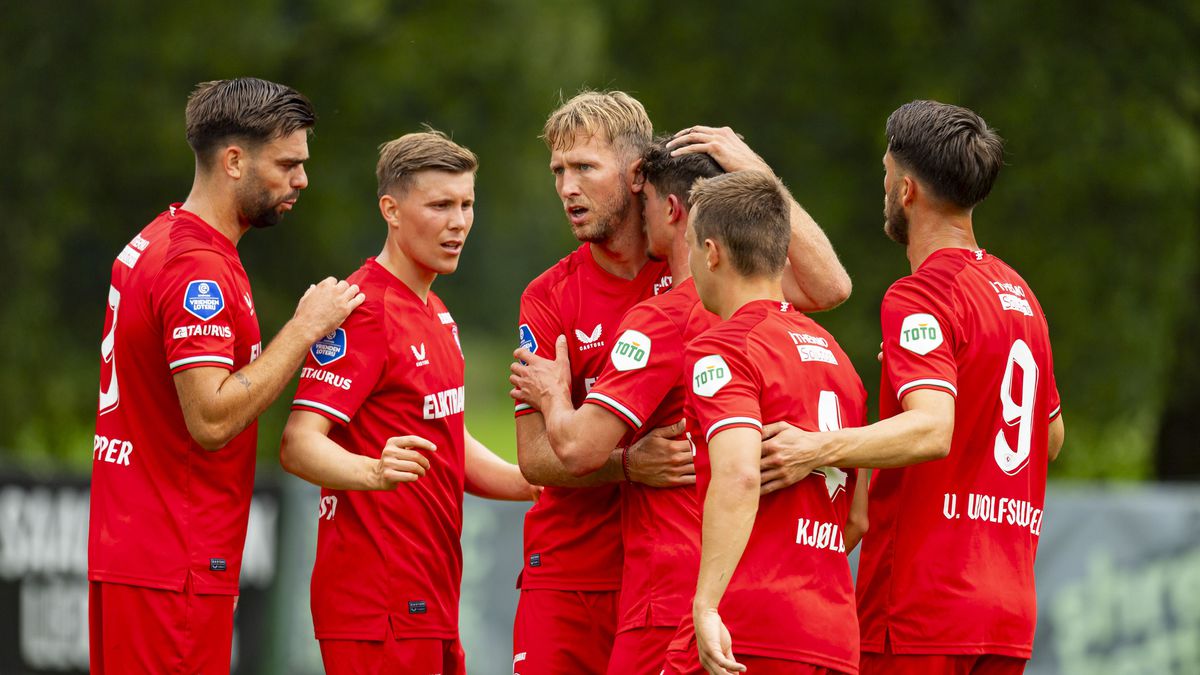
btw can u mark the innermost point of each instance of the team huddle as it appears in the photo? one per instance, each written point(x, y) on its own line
point(696, 446)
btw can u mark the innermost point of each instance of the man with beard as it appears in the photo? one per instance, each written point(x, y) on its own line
point(946, 582)
point(183, 380)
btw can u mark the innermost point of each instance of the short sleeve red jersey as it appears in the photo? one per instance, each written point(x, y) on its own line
point(947, 566)
point(392, 557)
point(643, 385)
point(573, 535)
point(791, 595)
point(164, 508)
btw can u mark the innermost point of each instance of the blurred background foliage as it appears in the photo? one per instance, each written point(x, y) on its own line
point(1099, 207)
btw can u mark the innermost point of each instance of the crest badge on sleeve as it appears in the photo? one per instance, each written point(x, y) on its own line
point(329, 348)
point(203, 299)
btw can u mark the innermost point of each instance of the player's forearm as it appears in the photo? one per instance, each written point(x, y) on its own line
point(820, 279)
point(490, 477)
point(319, 460)
point(856, 520)
point(580, 441)
point(541, 466)
point(911, 437)
point(729, 511)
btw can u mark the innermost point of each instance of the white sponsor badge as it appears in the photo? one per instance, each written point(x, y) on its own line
point(920, 333)
point(710, 374)
point(632, 351)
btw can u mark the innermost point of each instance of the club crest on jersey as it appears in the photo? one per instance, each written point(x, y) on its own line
point(632, 351)
point(329, 348)
point(203, 299)
point(709, 375)
point(528, 342)
point(920, 333)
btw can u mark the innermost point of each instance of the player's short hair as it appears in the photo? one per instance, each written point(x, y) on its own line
point(748, 213)
point(400, 160)
point(950, 148)
point(675, 175)
point(246, 109)
point(619, 117)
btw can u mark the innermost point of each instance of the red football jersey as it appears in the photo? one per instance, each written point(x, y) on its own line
point(947, 566)
point(643, 385)
point(164, 508)
point(394, 368)
point(791, 596)
point(573, 535)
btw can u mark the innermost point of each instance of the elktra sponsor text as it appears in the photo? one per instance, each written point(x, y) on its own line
point(444, 403)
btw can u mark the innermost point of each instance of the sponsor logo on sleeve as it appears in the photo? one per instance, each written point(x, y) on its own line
point(527, 340)
point(329, 348)
point(709, 375)
point(201, 330)
point(203, 299)
point(920, 333)
point(632, 351)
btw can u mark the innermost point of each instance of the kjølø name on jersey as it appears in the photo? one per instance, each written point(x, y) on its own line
point(920, 333)
point(632, 351)
point(330, 348)
point(203, 299)
point(201, 330)
point(709, 375)
point(445, 403)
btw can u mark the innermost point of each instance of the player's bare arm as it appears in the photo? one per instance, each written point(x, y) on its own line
point(217, 405)
point(1058, 433)
point(491, 477)
point(308, 452)
point(856, 520)
point(919, 434)
point(730, 508)
point(815, 279)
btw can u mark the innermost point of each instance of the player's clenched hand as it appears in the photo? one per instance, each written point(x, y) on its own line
point(402, 461)
point(325, 306)
point(659, 460)
point(535, 379)
point(789, 455)
point(715, 644)
point(722, 144)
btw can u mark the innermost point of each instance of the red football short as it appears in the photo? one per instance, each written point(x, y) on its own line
point(416, 656)
point(939, 664)
point(640, 651)
point(680, 663)
point(564, 632)
point(134, 630)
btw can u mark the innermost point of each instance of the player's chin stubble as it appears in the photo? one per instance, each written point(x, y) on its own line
point(895, 221)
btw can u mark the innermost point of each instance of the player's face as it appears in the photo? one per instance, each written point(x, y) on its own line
point(696, 263)
point(435, 215)
point(273, 179)
point(660, 235)
point(590, 180)
point(895, 220)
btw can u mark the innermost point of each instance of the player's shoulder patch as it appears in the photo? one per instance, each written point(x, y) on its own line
point(632, 351)
point(920, 333)
point(528, 341)
point(709, 375)
point(203, 299)
point(330, 348)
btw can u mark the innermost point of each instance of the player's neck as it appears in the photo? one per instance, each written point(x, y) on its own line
point(218, 213)
point(624, 254)
point(936, 232)
point(418, 279)
point(677, 260)
point(737, 292)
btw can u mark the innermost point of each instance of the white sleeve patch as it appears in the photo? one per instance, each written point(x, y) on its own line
point(920, 333)
point(710, 374)
point(632, 351)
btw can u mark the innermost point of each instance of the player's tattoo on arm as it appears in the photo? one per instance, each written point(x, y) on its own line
point(243, 379)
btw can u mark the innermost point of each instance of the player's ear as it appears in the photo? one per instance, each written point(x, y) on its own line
point(908, 190)
point(390, 210)
point(232, 160)
point(675, 211)
point(712, 254)
point(637, 179)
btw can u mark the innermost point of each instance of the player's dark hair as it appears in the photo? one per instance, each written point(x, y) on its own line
point(248, 110)
point(675, 175)
point(430, 150)
point(748, 213)
point(949, 148)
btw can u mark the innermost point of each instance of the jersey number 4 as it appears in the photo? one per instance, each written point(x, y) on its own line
point(110, 393)
point(1018, 414)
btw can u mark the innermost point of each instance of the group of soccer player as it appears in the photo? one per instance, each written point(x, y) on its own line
point(696, 446)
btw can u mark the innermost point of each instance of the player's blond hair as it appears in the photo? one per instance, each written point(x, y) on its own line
point(747, 212)
point(429, 150)
point(614, 115)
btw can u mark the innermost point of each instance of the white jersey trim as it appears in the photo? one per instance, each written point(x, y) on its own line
point(1054, 413)
point(321, 406)
point(200, 359)
point(523, 406)
point(614, 403)
point(730, 421)
point(927, 382)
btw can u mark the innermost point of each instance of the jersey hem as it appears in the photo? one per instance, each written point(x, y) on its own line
point(568, 585)
point(956, 648)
